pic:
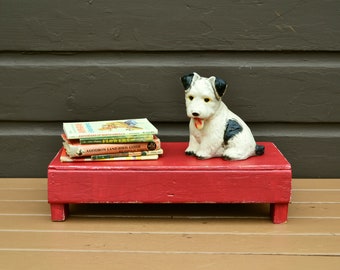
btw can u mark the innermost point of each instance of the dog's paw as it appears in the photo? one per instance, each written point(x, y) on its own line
point(227, 158)
point(190, 150)
point(190, 153)
point(202, 157)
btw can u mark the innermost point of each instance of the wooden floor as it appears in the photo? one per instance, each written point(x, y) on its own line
point(169, 236)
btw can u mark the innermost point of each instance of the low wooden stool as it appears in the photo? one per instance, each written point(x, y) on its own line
point(173, 178)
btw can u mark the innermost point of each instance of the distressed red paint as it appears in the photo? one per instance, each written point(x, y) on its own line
point(174, 178)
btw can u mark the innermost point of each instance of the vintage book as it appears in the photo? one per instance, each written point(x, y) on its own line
point(64, 157)
point(118, 139)
point(129, 154)
point(111, 128)
point(75, 149)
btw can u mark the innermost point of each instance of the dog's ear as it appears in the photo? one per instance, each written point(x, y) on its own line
point(187, 80)
point(219, 86)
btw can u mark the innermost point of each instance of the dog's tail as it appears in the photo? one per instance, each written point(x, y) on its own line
point(259, 150)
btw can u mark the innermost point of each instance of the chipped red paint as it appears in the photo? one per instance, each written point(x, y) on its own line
point(173, 178)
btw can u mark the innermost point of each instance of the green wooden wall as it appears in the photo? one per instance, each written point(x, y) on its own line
point(75, 60)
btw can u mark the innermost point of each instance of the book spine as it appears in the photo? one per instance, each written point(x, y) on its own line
point(101, 149)
point(65, 158)
point(123, 139)
point(151, 157)
point(128, 154)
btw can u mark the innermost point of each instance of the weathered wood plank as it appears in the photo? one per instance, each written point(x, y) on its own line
point(311, 156)
point(24, 195)
point(260, 212)
point(162, 25)
point(262, 87)
point(315, 184)
point(28, 208)
point(23, 184)
point(299, 224)
point(174, 243)
point(313, 211)
point(175, 237)
point(328, 196)
point(297, 184)
point(306, 146)
point(18, 198)
point(55, 260)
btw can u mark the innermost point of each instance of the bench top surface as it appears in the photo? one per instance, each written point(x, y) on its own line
point(174, 159)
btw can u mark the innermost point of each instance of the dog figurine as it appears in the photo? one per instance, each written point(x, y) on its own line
point(215, 131)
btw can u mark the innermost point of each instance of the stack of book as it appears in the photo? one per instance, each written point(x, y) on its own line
point(131, 139)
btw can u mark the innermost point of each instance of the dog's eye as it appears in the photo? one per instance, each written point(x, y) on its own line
point(207, 99)
point(191, 97)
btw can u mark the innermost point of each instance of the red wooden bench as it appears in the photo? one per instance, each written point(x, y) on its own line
point(173, 178)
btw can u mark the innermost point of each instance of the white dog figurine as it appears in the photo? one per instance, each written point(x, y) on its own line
point(215, 131)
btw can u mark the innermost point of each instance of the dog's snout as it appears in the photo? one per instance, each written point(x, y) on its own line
point(195, 114)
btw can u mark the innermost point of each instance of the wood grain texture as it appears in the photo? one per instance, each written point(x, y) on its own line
point(169, 236)
point(268, 87)
point(306, 146)
point(93, 60)
point(174, 178)
point(165, 261)
point(163, 25)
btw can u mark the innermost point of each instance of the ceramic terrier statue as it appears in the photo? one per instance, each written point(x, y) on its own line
point(215, 131)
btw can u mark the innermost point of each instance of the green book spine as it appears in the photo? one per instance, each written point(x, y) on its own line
point(122, 139)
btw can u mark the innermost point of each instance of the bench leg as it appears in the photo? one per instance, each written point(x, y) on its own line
point(59, 212)
point(279, 212)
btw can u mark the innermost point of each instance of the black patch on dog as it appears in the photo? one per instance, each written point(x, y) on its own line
point(220, 86)
point(259, 150)
point(186, 80)
point(233, 128)
point(190, 153)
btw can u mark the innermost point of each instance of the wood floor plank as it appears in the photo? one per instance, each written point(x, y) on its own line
point(314, 210)
point(24, 207)
point(316, 184)
point(31, 183)
point(247, 211)
point(23, 194)
point(239, 236)
point(167, 226)
point(35, 259)
point(316, 196)
point(303, 245)
point(297, 196)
